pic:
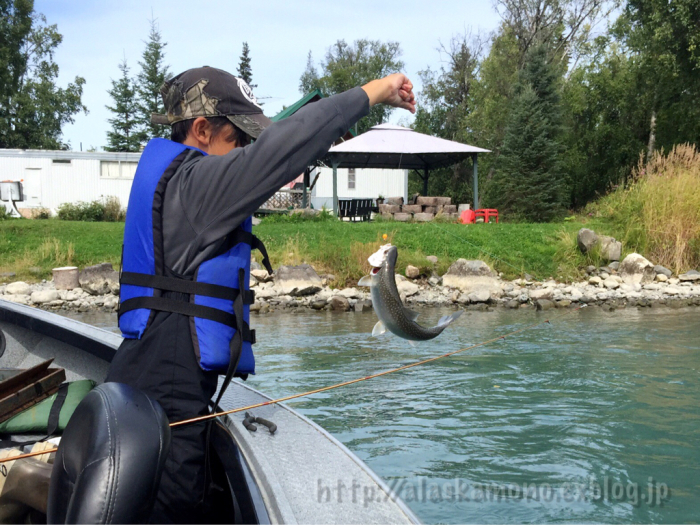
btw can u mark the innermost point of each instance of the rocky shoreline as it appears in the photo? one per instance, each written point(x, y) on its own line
point(470, 285)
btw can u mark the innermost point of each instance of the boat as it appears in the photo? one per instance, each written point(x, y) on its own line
point(298, 474)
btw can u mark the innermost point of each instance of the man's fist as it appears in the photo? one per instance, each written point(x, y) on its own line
point(394, 90)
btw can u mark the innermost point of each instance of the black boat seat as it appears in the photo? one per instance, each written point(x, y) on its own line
point(110, 460)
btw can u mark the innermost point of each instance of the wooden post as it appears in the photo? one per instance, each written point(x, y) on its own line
point(335, 188)
point(475, 164)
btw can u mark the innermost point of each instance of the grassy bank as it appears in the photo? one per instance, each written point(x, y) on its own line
point(31, 249)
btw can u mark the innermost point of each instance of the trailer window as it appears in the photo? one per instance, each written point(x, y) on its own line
point(117, 169)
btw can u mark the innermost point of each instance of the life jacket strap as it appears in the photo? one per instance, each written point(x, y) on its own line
point(240, 235)
point(189, 309)
point(170, 284)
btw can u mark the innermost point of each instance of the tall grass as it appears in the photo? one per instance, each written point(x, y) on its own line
point(659, 211)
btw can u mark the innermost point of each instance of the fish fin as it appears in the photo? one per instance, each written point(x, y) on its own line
point(412, 316)
point(448, 319)
point(365, 281)
point(378, 329)
point(412, 343)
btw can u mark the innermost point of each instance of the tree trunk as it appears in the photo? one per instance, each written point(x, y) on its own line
point(652, 135)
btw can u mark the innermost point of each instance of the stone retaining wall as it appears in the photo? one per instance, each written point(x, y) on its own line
point(424, 210)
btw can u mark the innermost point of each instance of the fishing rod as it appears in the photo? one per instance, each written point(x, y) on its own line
point(332, 387)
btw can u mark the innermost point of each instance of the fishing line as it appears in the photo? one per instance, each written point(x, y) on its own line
point(333, 387)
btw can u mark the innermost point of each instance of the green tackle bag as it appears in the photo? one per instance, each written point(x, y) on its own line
point(56, 409)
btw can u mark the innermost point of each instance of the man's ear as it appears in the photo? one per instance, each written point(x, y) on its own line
point(201, 131)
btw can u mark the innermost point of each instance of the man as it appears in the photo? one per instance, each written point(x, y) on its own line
point(186, 263)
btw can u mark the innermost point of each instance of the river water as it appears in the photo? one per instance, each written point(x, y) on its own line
point(593, 418)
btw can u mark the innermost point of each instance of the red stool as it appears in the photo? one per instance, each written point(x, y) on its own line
point(487, 214)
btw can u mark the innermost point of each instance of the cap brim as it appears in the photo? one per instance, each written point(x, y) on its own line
point(252, 125)
point(159, 119)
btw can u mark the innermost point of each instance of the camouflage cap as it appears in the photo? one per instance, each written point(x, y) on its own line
point(210, 92)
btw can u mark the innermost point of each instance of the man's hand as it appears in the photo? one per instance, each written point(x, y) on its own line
point(395, 90)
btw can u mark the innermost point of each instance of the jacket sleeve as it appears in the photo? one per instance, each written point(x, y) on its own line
point(217, 193)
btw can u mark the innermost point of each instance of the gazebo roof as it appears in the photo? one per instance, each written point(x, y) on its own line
point(390, 146)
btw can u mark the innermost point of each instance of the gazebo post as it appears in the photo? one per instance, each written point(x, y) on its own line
point(426, 174)
point(335, 188)
point(475, 164)
point(305, 184)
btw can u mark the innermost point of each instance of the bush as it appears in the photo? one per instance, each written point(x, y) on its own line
point(659, 211)
point(41, 213)
point(322, 216)
point(109, 210)
point(4, 213)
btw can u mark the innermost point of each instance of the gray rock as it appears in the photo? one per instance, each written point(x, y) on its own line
point(427, 201)
point(661, 277)
point(18, 288)
point(18, 298)
point(610, 249)
point(100, 279)
point(563, 303)
point(611, 284)
point(432, 259)
point(411, 208)
point(7, 275)
point(254, 265)
point(543, 293)
point(349, 293)
point(412, 272)
point(660, 270)
point(615, 265)
point(479, 296)
point(111, 301)
point(363, 306)
point(692, 275)
point(44, 296)
point(586, 240)
point(256, 306)
point(435, 280)
point(396, 201)
point(590, 269)
point(408, 288)
point(318, 304)
point(261, 275)
point(544, 304)
point(512, 304)
point(402, 217)
point(298, 280)
point(636, 269)
point(339, 303)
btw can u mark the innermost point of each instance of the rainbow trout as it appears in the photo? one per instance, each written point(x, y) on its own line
point(393, 315)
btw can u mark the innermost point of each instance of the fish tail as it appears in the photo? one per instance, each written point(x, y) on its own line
point(448, 319)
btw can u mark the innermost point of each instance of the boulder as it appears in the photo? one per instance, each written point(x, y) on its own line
point(395, 201)
point(408, 288)
point(412, 272)
point(610, 249)
point(111, 302)
point(544, 304)
point(100, 279)
point(586, 240)
point(349, 293)
point(298, 280)
point(471, 276)
point(432, 259)
point(339, 303)
point(661, 277)
point(430, 209)
point(660, 270)
point(636, 269)
point(318, 304)
point(44, 296)
point(18, 298)
point(615, 265)
point(402, 217)
point(692, 275)
point(443, 201)
point(411, 208)
point(18, 288)
point(595, 280)
point(389, 208)
point(427, 201)
point(65, 278)
point(424, 217)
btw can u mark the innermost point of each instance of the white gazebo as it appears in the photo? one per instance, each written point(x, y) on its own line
point(389, 146)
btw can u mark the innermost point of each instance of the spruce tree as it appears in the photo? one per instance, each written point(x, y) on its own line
point(125, 135)
point(529, 184)
point(148, 83)
point(244, 70)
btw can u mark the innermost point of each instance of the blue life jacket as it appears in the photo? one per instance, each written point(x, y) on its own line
point(218, 296)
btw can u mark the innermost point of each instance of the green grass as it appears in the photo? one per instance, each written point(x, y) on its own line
point(542, 250)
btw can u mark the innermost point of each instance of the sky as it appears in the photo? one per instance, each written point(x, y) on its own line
point(98, 35)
